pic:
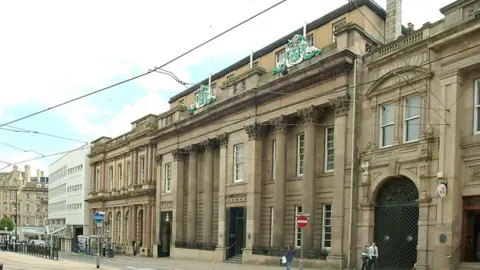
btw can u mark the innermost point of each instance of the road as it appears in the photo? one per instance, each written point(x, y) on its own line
point(138, 263)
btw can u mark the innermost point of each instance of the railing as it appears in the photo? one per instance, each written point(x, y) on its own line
point(279, 252)
point(195, 245)
point(35, 250)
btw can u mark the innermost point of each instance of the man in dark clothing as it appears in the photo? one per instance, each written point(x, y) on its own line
point(289, 256)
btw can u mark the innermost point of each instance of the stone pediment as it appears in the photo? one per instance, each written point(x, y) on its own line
point(399, 77)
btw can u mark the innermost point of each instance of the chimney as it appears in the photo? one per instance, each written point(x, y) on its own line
point(393, 25)
point(27, 173)
point(38, 174)
point(41, 173)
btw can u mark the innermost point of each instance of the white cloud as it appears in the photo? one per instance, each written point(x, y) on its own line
point(55, 50)
point(40, 164)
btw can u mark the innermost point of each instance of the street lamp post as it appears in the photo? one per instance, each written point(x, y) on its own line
point(16, 218)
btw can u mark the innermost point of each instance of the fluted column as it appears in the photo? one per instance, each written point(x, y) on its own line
point(177, 190)
point(158, 200)
point(340, 106)
point(209, 146)
point(148, 224)
point(192, 192)
point(152, 223)
point(133, 231)
point(309, 116)
point(92, 177)
point(253, 177)
point(222, 182)
point(144, 225)
point(280, 178)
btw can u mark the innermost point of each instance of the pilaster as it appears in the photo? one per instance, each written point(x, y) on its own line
point(222, 179)
point(144, 225)
point(148, 224)
point(340, 106)
point(253, 177)
point(280, 129)
point(177, 189)
point(158, 198)
point(309, 117)
point(193, 151)
point(208, 196)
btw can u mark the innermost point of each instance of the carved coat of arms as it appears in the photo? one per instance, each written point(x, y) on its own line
point(202, 97)
point(297, 51)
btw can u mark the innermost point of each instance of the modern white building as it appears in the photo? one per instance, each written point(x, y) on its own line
point(67, 192)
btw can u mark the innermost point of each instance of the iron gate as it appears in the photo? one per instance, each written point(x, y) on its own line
point(396, 224)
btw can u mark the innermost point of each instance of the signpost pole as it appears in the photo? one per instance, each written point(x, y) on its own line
point(98, 218)
point(301, 253)
point(302, 221)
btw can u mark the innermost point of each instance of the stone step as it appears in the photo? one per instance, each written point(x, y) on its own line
point(468, 266)
point(238, 259)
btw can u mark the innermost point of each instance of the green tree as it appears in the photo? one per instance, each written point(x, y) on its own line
point(7, 222)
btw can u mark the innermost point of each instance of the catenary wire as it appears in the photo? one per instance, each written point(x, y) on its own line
point(20, 149)
point(23, 130)
point(149, 71)
point(406, 63)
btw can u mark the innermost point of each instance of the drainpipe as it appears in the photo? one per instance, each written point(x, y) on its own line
point(352, 161)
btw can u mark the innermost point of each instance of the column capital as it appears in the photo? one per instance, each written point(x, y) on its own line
point(194, 148)
point(222, 139)
point(178, 154)
point(209, 144)
point(158, 159)
point(279, 123)
point(341, 105)
point(311, 114)
point(256, 131)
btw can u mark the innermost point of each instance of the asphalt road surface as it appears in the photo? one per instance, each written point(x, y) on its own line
point(139, 263)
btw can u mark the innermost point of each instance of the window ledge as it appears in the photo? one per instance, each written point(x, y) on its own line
point(237, 183)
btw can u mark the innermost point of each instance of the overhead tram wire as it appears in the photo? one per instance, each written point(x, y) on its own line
point(149, 71)
point(23, 130)
point(407, 81)
point(20, 149)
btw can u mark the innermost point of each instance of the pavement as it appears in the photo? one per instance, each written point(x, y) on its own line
point(16, 261)
point(122, 262)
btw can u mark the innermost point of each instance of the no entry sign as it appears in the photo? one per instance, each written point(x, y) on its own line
point(302, 222)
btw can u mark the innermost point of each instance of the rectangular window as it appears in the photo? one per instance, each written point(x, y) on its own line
point(387, 124)
point(129, 174)
point(230, 77)
point(279, 57)
point(110, 177)
point(298, 231)
point(300, 153)
point(168, 177)
point(310, 40)
point(411, 130)
point(213, 89)
point(142, 169)
point(476, 123)
point(181, 102)
point(271, 225)
point(329, 149)
point(337, 26)
point(327, 226)
point(120, 176)
point(238, 162)
point(274, 159)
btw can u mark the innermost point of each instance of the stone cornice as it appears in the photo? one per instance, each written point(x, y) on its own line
point(131, 194)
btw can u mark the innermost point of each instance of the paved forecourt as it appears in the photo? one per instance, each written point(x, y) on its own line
point(16, 261)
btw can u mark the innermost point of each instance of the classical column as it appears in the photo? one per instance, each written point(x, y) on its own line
point(309, 116)
point(135, 167)
point(133, 230)
point(178, 183)
point(222, 179)
point(92, 178)
point(192, 192)
point(102, 176)
point(144, 225)
point(340, 106)
point(158, 198)
point(153, 225)
point(209, 146)
point(132, 157)
point(91, 222)
point(280, 178)
point(253, 178)
point(147, 163)
point(148, 224)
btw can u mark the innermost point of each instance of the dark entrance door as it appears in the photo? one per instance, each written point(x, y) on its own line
point(236, 231)
point(471, 230)
point(165, 234)
point(396, 224)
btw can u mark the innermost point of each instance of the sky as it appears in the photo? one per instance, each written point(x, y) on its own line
point(53, 51)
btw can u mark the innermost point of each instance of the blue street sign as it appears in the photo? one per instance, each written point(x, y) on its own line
point(98, 217)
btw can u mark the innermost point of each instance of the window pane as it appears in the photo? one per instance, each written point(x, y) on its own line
point(387, 135)
point(478, 92)
point(388, 112)
point(412, 107)
point(413, 129)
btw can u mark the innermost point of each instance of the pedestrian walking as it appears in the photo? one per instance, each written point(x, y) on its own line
point(289, 256)
point(373, 249)
point(365, 257)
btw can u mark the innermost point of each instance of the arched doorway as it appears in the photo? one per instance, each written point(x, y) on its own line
point(396, 224)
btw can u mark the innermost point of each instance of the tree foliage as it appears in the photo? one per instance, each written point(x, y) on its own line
point(7, 222)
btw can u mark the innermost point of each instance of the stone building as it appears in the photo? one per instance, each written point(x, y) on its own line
point(354, 100)
point(24, 199)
